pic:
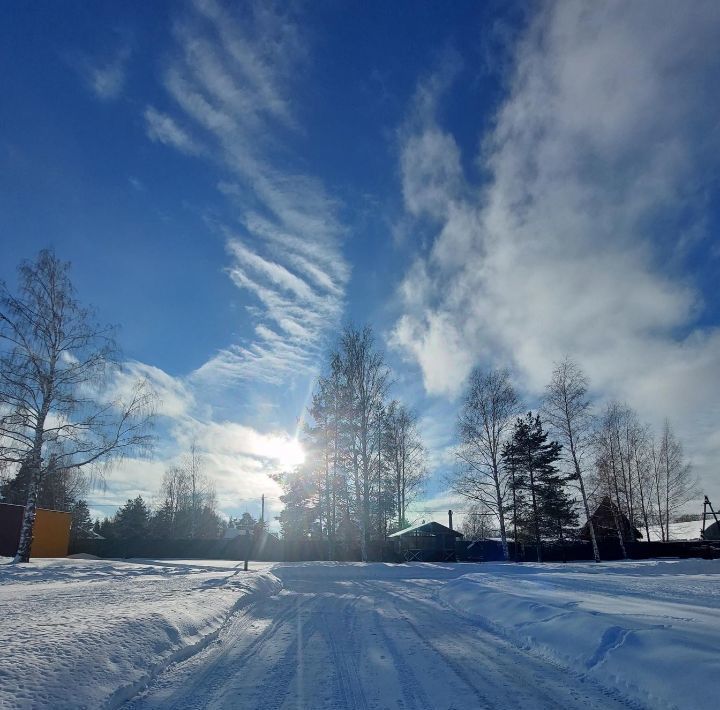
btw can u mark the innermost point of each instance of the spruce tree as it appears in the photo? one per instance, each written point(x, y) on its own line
point(132, 520)
point(531, 459)
point(558, 508)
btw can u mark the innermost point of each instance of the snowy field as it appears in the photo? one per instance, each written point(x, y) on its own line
point(678, 531)
point(193, 634)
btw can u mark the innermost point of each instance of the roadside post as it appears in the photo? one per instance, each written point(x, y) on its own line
point(245, 533)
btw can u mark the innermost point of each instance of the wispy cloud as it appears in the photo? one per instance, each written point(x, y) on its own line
point(162, 128)
point(231, 84)
point(605, 139)
point(173, 397)
point(106, 78)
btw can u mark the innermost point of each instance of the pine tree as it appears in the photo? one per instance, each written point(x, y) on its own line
point(163, 522)
point(106, 528)
point(301, 514)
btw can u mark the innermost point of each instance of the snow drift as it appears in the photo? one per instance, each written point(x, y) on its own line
point(651, 628)
point(92, 633)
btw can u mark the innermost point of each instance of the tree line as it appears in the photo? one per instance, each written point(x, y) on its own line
point(365, 459)
point(535, 474)
point(185, 508)
point(535, 488)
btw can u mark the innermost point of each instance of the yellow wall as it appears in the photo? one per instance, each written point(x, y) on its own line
point(51, 536)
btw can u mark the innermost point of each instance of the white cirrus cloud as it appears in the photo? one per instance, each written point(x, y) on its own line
point(173, 397)
point(106, 78)
point(162, 128)
point(231, 83)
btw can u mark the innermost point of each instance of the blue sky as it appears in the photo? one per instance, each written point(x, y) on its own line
point(482, 182)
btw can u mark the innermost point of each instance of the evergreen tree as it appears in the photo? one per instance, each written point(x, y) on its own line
point(208, 524)
point(106, 528)
point(301, 514)
point(517, 484)
point(531, 459)
point(82, 524)
point(559, 515)
point(132, 520)
point(163, 522)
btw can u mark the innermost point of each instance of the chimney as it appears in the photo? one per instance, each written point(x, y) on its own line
point(450, 519)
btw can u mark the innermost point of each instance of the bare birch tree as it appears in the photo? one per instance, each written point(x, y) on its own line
point(484, 421)
point(55, 363)
point(407, 457)
point(675, 484)
point(566, 409)
point(368, 378)
point(641, 470)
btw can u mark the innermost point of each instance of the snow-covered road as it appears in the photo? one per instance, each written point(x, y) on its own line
point(372, 636)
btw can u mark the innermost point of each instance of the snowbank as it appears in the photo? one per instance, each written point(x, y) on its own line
point(651, 627)
point(678, 531)
point(91, 633)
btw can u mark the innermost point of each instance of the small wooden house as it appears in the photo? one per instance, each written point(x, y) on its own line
point(605, 520)
point(712, 532)
point(426, 542)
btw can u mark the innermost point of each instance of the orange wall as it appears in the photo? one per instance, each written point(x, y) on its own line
point(51, 536)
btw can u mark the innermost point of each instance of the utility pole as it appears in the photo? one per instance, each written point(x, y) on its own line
point(707, 504)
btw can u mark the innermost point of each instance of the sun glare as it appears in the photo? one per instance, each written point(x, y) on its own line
point(290, 453)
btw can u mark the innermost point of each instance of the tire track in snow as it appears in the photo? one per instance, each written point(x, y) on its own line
point(274, 693)
point(347, 677)
point(339, 641)
point(209, 669)
point(451, 663)
point(506, 670)
point(413, 693)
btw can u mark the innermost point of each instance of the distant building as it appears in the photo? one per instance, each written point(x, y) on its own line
point(605, 520)
point(426, 542)
point(712, 532)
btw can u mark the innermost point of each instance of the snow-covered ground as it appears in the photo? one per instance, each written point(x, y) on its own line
point(92, 633)
point(678, 531)
point(650, 628)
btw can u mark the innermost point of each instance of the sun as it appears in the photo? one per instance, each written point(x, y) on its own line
point(290, 453)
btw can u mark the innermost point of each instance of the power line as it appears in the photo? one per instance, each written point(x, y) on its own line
point(454, 510)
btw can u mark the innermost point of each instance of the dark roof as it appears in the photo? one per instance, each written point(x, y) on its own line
point(431, 528)
point(605, 526)
point(712, 532)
